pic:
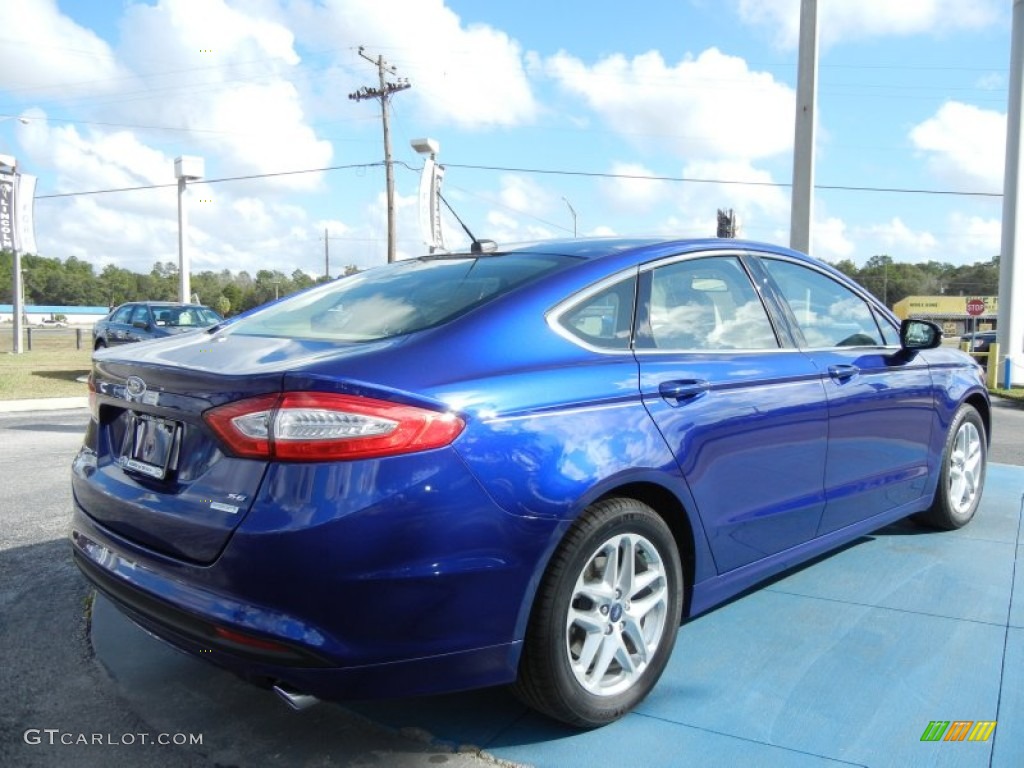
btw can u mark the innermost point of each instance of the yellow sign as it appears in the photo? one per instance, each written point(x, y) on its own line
point(941, 305)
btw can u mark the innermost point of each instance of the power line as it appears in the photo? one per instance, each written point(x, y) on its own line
point(213, 181)
point(551, 172)
point(690, 179)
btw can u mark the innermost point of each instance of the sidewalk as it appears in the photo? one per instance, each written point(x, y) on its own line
point(43, 404)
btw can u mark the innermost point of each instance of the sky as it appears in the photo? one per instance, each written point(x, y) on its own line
point(554, 118)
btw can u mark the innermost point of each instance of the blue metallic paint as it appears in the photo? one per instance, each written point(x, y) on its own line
point(417, 573)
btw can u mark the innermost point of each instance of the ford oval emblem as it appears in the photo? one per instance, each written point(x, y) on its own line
point(136, 387)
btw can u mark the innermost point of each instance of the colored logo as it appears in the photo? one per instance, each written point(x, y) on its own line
point(958, 730)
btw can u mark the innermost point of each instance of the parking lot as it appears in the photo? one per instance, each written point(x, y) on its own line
point(845, 661)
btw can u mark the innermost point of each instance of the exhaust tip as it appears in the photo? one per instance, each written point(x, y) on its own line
point(294, 699)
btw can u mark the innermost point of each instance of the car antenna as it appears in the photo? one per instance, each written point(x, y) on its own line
point(478, 246)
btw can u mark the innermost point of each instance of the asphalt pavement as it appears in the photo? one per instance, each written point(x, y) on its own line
point(63, 705)
point(74, 670)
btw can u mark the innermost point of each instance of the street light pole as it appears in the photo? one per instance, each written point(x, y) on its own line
point(573, 212)
point(8, 241)
point(186, 169)
point(430, 193)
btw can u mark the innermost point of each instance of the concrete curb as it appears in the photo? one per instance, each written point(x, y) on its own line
point(43, 404)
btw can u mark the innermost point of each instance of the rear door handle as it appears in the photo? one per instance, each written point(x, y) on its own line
point(681, 391)
point(843, 372)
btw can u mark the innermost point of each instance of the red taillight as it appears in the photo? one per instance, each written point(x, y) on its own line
point(320, 426)
point(253, 642)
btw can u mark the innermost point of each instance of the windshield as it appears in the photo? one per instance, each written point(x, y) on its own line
point(398, 298)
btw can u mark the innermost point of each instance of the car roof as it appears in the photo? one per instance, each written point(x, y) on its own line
point(602, 247)
point(165, 304)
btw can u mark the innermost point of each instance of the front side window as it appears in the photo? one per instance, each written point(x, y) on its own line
point(123, 314)
point(827, 313)
point(705, 304)
point(140, 315)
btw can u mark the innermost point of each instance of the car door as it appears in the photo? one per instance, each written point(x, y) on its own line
point(744, 412)
point(881, 407)
point(141, 324)
point(119, 324)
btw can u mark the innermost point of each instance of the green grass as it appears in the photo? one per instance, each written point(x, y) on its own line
point(1017, 393)
point(49, 370)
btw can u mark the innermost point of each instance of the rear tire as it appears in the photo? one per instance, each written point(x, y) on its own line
point(100, 344)
point(962, 479)
point(605, 617)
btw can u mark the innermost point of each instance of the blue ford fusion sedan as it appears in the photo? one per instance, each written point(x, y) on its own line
point(526, 465)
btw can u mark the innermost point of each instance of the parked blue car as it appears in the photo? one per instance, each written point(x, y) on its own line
point(145, 320)
point(524, 466)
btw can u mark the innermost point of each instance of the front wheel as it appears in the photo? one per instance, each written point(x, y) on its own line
point(963, 472)
point(605, 618)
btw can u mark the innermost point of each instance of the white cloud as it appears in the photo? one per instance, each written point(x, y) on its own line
point(974, 238)
point(226, 77)
point(470, 75)
point(964, 145)
point(846, 20)
point(752, 194)
point(96, 160)
point(634, 194)
point(692, 206)
point(698, 108)
point(524, 196)
point(897, 238)
point(46, 55)
point(830, 240)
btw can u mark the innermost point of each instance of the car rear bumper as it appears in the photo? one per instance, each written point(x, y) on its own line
point(196, 609)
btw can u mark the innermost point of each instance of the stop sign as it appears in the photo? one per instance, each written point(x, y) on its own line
point(975, 307)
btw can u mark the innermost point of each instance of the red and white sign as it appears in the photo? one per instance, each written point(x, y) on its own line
point(975, 307)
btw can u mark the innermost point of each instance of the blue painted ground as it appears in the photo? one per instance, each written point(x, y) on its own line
point(842, 662)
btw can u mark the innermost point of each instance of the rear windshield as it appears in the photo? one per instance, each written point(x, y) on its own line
point(185, 317)
point(398, 298)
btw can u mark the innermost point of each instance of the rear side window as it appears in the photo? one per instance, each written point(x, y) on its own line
point(605, 319)
point(398, 298)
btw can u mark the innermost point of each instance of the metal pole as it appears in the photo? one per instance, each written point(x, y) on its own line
point(184, 286)
point(573, 212)
point(1010, 332)
point(19, 304)
point(802, 206)
point(9, 241)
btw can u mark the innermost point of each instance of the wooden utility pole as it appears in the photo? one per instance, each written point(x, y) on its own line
point(383, 93)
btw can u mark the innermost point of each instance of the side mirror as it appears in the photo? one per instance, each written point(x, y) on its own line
point(919, 334)
point(140, 324)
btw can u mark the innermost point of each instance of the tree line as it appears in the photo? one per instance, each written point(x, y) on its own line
point(74, 282)
point(893, 281)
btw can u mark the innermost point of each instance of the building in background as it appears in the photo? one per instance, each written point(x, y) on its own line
point(956, 314)
point(52, 315)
